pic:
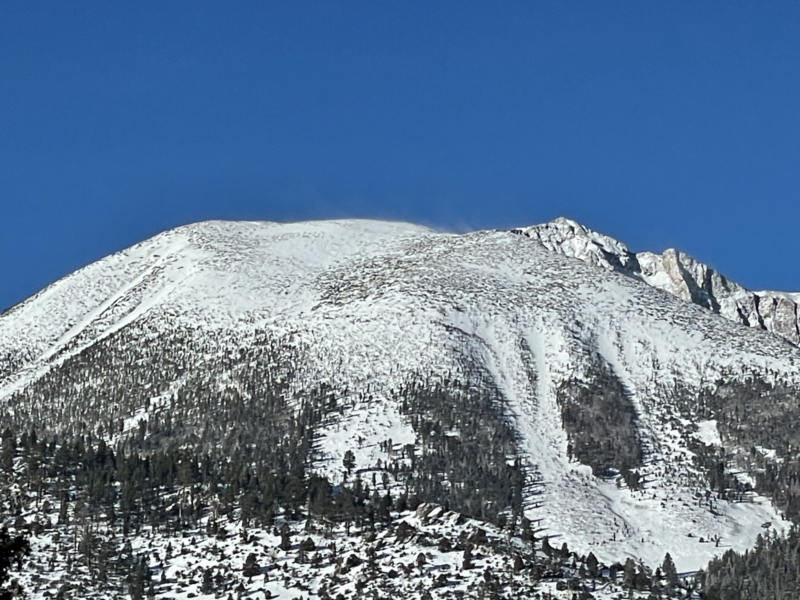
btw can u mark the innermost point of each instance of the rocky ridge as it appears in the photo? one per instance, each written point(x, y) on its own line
point(676, 273)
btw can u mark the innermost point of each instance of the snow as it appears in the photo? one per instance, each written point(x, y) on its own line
point(178, 561)
point(793, 297)
point(376, 302)
point(675, 273)
point(767, 453)
point(708, 433)
point(368, 423)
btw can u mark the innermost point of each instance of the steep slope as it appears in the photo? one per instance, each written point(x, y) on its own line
point(483, 371)
point(676, 273)
point(221, 273)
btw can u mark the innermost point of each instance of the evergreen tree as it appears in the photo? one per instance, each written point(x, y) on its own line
point(348, 462)
point(208, 582)
point(669, 571)
point(591, 564)
point(12, 550)
point(466, 562)
point(629, 574)
point(286, 542)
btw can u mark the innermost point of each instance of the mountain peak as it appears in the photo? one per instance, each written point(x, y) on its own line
point(377, 312)
point(573, 239)
point(535, 379)
point(676, 273)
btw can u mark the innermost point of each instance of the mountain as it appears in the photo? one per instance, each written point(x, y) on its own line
point(537, 380)
point(676, 273)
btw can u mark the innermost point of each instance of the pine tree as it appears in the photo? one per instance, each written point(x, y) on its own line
point(8, 451)
point(591, 564)
point(643, 577)
point(564, 551)
point(629, 574)
point(251, 567)
point(669, 571)
point(349, 462)
point(546, 547)
point(518, 565)
point(286, 542)
point(466, 563)
point(421, 562)
point(12, 550)
point(208, 582)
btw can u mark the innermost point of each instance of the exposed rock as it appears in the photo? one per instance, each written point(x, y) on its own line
point(676, 273)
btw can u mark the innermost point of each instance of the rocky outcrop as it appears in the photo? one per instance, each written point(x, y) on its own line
point(676, 273)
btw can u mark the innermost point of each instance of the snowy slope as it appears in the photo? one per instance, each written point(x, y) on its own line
point(374, 303)
point(676, 273)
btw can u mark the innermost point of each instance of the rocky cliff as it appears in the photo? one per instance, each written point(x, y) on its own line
point(676, 273)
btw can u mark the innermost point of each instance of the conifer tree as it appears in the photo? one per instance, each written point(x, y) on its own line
point(12, 550)
point(669, 571)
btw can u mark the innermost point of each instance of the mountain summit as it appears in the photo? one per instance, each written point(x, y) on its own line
point(539, 374)
point(676, 273)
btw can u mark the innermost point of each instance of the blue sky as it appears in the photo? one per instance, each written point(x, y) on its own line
point(659, 123)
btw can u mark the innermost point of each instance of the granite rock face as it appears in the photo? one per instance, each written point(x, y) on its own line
point(676, 273)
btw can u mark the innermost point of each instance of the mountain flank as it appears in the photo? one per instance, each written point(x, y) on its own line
point(344, 408)
point(676, 273)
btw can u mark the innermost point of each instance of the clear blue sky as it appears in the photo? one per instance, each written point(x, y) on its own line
point(659, 123)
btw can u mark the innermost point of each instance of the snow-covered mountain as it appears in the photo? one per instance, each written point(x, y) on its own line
point(676, 273)
point(617, 402)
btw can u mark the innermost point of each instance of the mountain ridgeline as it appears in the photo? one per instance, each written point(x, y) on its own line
point(678, 274)
point(337, 378)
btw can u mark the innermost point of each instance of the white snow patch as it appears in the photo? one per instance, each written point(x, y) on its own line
point(708, 433)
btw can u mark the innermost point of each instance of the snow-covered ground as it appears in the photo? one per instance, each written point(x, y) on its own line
point(675, 273)
point(373, 302)
point(420, 555)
